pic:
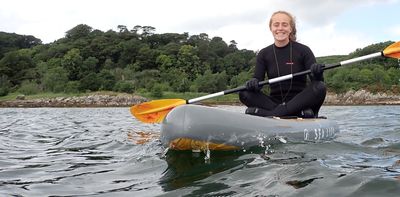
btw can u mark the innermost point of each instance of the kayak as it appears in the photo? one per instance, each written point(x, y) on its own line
point(196, 127)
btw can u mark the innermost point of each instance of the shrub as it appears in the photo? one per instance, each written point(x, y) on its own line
point(29, 88)
point(124, 86)
point(72, 87)
point(157, 91)
point(3, 91)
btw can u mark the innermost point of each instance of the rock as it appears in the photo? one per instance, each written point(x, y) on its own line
point(20, 97)
point(361, 97)
point(119, 100)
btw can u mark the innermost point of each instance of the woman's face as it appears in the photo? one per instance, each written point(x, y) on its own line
point(280, 27)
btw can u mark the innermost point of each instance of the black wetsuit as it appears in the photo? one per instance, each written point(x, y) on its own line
point(289, 97)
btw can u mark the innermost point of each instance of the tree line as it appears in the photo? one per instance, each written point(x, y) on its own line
point(140, 60)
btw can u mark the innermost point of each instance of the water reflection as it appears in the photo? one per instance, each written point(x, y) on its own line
point(187, 167)
point(103, 152)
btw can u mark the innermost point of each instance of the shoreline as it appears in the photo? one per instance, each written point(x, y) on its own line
point(360, 97)
point(96, 100)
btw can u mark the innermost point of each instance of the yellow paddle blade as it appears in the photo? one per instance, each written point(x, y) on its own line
point(392, 50)
point(155, 111)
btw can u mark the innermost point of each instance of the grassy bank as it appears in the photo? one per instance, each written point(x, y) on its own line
point(231, 98)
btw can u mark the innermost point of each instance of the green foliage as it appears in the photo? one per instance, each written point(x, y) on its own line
point(3, 91)
point(165, 62)
point(16, 66)
point(385, 62)
point(28, 88)
point(11, 42)
point(394, 75)
point(240, 79)
point(157, 91)
point(80, 31)
point(138, 59)
point(124, 86)
point(90, 64)
point(72, 87)
point(90, 82)
point(177, 80)
point(146, 79)
point(188, 62)
point(210, 82)
point(55, 80)
point(72, 62)
point(4, 85)
point(106, 79)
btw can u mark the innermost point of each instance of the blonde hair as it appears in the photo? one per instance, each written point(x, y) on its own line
point(292, 24)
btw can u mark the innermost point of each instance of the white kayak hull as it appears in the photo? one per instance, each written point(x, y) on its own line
point(195, 127)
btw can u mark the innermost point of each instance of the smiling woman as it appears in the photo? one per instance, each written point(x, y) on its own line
point(283, 28)
point(285, 57)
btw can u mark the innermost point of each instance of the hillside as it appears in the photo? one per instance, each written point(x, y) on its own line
point(141, 61)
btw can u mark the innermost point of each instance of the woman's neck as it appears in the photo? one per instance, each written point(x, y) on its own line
point(281, 43)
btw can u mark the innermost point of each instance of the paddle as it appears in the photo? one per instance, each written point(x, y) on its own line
point(155, 111)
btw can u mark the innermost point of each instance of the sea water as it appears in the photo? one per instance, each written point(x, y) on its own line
point(106, 152)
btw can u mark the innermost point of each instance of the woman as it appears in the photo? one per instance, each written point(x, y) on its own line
point(286, 56)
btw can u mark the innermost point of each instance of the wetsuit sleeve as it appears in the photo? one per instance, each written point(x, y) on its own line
point(309, 59)
point(260, 69)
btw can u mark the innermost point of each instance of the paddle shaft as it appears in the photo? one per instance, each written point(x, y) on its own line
point(286, 77)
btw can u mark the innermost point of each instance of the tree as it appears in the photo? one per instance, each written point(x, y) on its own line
point(146, 79)
point(170, 49)
point(72, 62)
point(136, 29)
point(234, 63)
point(394, 76)
point(146, 58)
point(16, 66)
point(91, 64)
point(55, 80)
point(188, 62)
point(90, 82)
point(169, 38)
point(107, 80)
point(202, 42)
point(28, 88)
point(240, 79)
point(233, 46)
point(366, 76)
point(109, 64)
point(129, 51)
point(380, 76)
point(176, 79)
point(156, 91)
point(210, 82)
point(122, 28)
point(219, 47)
point(5, 85)
point(124, 86)
point(11, 42)
point(79, 31)
point(147, 31)
point(337, 82)
point(165, 62)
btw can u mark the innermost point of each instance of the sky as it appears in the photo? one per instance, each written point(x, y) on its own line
point(328, 27)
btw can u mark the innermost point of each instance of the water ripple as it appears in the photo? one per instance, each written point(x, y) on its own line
point(105, 151)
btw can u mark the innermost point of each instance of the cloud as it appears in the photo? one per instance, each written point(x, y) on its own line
point(244, 22)
point(327, 40)
point(316, 12)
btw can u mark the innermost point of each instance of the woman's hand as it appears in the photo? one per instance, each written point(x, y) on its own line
point(252, 85)
point(317, 71)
